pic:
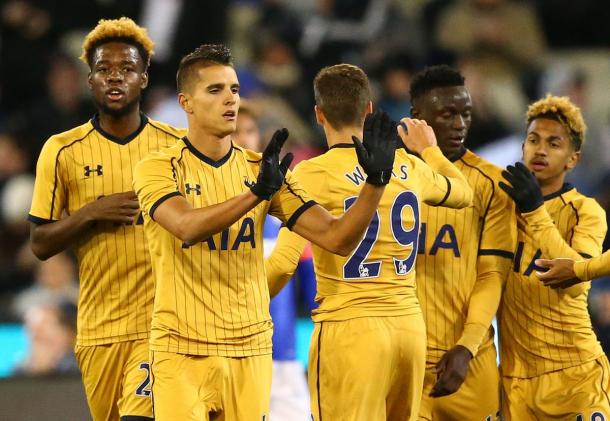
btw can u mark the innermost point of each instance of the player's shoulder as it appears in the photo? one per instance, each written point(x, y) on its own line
point(482, 166)
point(69, 137)
point(249, 155)
point(316, 166)
point(163, 157)
point(580, 203)
point(403, 157)
point(175, 132)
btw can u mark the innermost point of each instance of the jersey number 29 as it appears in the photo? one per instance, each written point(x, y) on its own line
point(357, 267)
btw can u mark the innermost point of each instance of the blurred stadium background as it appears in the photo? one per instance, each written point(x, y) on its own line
point(511, 52)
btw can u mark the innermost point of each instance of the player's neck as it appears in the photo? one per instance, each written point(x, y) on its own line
point(550, 186)
point(212, 146)
point(344, 135)
point(120, 126)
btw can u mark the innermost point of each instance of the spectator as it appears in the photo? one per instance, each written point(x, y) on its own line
point(51, 329)
point(55, 282)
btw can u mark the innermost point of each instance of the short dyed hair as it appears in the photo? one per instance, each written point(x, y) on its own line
point(562, 110)
point(342, 92)
point(441, 76)
point(118, 30)
point(203, 56)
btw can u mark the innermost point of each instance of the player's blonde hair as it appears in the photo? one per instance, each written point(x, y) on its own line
point(562, 110)
point(123, 29)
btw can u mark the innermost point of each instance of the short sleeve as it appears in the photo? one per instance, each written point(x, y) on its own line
point(49, 197)
point(154, 182)
point(290, 201)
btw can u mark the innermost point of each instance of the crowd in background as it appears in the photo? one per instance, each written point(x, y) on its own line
point(510, 51)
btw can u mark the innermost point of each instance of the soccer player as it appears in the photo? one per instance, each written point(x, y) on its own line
point(205, 202)
point(367, 352)
point(552, 365)
point(289, 394)
point(564, 272)
point(464, 258)
point(83, 199)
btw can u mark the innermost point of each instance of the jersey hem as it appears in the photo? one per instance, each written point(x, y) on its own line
point(531, 376)
point(112, 339)
point(37, 220)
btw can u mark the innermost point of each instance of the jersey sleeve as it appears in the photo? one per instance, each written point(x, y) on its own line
point(444, 184)
point(290, 201)
point(154, 182)
point(283, 260)
point(49, 197)
point(585, 240)
point(496, 245)
point(593, 268)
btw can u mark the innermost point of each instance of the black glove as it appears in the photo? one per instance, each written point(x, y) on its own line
point(524, 188)
point(376, 153)
point(272, 172)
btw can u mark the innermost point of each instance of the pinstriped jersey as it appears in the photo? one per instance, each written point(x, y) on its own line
point(544, 329)
point(116, 285)
point(211, 297)
point(450, 243)
point(377, 278)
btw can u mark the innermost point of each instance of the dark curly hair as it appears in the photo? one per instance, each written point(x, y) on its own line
point(440, 76)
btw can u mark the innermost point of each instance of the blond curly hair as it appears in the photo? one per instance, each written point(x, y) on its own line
point(123, 29)
point(561, 109)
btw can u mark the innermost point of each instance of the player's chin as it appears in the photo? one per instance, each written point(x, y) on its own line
point(227, 128)
point(114, 108)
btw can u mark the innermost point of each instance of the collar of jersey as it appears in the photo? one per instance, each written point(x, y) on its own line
point(95, 121)
point(341, 145)
point(205, 158)
point(565, 188)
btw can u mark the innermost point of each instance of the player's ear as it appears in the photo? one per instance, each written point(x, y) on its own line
point(144, 79)
point(369, 107)
point(573, 160)
point(319, 115)
point(184, 102)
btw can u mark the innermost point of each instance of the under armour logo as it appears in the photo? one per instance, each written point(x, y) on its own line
point(89, 170)
point(247, 182)
point(196, 188)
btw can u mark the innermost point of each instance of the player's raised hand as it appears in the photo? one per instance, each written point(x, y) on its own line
point(272, 172)
point(416, 135)
point(523, 188)
point(560, 273)
point(451, 371)
point(120, 208)
point(376, 151)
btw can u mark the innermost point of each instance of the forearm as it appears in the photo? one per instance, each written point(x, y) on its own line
point(283, 261)
point(49, 239)
point(340, 235)
point(195, 225)
point(547, 237)
point(461, 193)
point(484, 300)
point(593, 268)
point(350, 228)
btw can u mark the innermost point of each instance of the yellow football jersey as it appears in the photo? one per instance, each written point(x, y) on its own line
point(544, 329)
point(377, 278)
point(211, 297)
point(464, 258)
point(593, 268)
point(75, 168)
